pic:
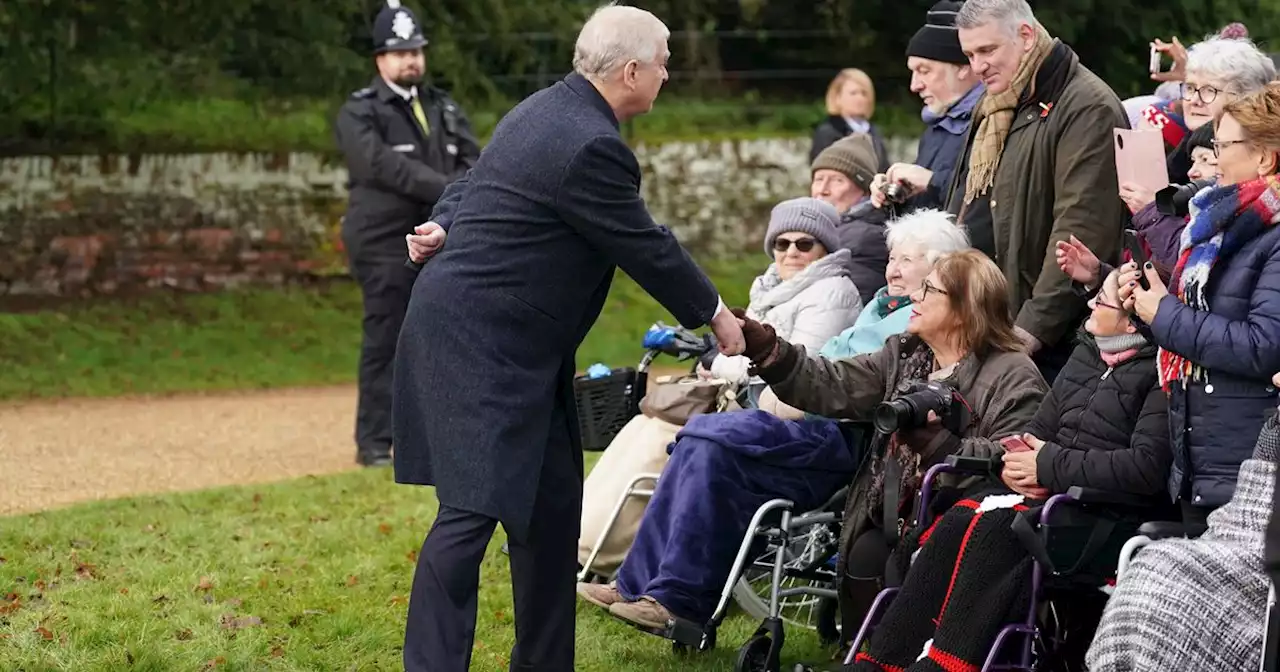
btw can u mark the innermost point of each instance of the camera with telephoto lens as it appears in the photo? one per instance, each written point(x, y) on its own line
point(895, 192)
point(911, 410)
point(1175, 199)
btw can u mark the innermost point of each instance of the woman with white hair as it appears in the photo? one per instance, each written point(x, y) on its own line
point(724, 466)
point(1219, 71)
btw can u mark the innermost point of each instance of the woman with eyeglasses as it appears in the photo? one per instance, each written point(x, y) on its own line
point(1218, 321)
point(960, 335)
point(724, 466)
point(1102, 426)
point(1218, 71)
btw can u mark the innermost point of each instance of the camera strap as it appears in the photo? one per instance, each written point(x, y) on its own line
point(892, 496)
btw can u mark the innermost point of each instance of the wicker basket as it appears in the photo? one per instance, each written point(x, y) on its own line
point(606, 404)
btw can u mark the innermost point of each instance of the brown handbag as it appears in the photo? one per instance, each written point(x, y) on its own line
point(676, 399)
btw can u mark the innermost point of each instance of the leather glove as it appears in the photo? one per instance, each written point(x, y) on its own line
point(761, 338)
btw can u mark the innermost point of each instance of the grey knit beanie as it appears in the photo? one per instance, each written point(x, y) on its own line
point(804, 215)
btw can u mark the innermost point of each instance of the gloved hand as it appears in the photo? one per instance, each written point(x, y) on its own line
point(761, 338)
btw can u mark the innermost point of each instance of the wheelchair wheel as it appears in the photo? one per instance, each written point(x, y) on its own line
point(803, 611)
point(754, 655)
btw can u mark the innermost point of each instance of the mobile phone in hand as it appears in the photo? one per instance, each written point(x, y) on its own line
point(1014, 444)
point(1137, 254)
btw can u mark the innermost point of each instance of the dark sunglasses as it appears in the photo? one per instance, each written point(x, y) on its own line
point(803, 245)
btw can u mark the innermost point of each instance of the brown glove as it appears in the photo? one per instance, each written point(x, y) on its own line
point(761, 338)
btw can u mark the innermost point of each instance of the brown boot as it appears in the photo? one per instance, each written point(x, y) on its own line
point(599, 594)
point(644, 612)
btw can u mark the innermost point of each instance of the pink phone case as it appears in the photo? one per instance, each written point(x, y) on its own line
point(1140, 158)
point(1014, 444)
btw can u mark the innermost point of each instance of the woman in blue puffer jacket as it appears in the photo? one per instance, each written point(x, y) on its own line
point(1218, 324)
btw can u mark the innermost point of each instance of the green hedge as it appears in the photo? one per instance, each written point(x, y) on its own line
point(238, 125)
point(168, 75)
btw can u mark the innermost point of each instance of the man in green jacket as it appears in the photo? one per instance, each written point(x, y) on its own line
point(1038, 167)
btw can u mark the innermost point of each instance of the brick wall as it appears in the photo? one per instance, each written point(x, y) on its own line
point(89, 225)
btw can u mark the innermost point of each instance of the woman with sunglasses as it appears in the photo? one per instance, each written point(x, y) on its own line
point(961, 335)
point(806, 292)
point(1102, 426)
point(1218, 321)
point(723, 466)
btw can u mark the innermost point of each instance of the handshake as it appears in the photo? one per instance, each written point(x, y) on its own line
point(739, 334)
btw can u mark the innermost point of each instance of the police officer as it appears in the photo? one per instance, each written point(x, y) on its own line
point(404, 142)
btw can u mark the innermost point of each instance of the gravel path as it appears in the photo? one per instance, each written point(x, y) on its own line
point(59, 452)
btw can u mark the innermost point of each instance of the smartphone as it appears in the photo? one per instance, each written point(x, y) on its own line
point(1154, 64)
point(1136, 253)
point(1140, 158)
point(1014, 444)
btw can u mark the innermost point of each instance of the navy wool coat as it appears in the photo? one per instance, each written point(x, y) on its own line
point(485, 359)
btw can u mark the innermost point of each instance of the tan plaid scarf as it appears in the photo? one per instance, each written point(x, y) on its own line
point(994, 117)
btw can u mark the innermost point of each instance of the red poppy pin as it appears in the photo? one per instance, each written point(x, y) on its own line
point(1044, 109)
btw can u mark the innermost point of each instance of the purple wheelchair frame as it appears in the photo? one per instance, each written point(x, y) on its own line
point(1028, 629)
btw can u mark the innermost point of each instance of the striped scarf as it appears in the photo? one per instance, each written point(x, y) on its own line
point(1223, 220)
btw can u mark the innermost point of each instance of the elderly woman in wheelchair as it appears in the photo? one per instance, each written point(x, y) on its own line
point(806, 292)
point(1102, 428)
point(730, 464)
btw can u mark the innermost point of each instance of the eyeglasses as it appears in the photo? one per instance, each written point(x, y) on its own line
point(1097, 301)
point(928, 287)
point(1207, 94)
point(802, 245)
point(1219, 144)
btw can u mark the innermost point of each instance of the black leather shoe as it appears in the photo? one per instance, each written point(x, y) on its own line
point(374, 458)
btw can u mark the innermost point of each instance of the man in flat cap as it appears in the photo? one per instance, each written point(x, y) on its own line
point(404, 142)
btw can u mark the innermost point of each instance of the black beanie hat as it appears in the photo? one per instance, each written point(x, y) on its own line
point(938, 39)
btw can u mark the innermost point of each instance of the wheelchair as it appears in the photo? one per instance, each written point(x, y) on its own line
point(783, 573)
point(1034, 643)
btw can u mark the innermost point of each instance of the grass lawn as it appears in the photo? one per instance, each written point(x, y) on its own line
point(253, 338)
point(312, 574)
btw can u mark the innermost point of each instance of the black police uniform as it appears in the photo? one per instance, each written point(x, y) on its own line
point(397, 170)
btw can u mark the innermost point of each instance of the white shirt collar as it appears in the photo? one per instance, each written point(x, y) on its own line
point(409, 94)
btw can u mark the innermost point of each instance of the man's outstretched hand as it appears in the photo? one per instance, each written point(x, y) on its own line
point(728, 331)
point(760, 338)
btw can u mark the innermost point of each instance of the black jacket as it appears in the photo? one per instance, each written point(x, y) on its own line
point(485, 360)
point(831, 129)
point(862, 232)
point(1104, 428)
point(397, 173)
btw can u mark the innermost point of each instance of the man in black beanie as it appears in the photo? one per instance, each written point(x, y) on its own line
point(941, 76)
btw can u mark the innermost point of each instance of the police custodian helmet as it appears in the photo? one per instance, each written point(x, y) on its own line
point(396, 29)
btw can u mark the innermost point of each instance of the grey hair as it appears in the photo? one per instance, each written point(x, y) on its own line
point(1236, 63)
point(614, 35)
point(933, 230)
point(1009, 14)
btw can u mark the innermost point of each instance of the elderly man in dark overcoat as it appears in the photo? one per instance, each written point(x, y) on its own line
point(483, 406)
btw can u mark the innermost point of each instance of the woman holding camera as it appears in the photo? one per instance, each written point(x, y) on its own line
point(725, 465)
point(960, 337)
point(1103, 426)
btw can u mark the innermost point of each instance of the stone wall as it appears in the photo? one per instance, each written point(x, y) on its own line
point(103, 224)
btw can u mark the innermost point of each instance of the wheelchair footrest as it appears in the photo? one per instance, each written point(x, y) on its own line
point(682, 632)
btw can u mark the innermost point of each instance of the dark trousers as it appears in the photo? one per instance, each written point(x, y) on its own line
point(863, 580)
point(386, 285)
point(442, 606)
